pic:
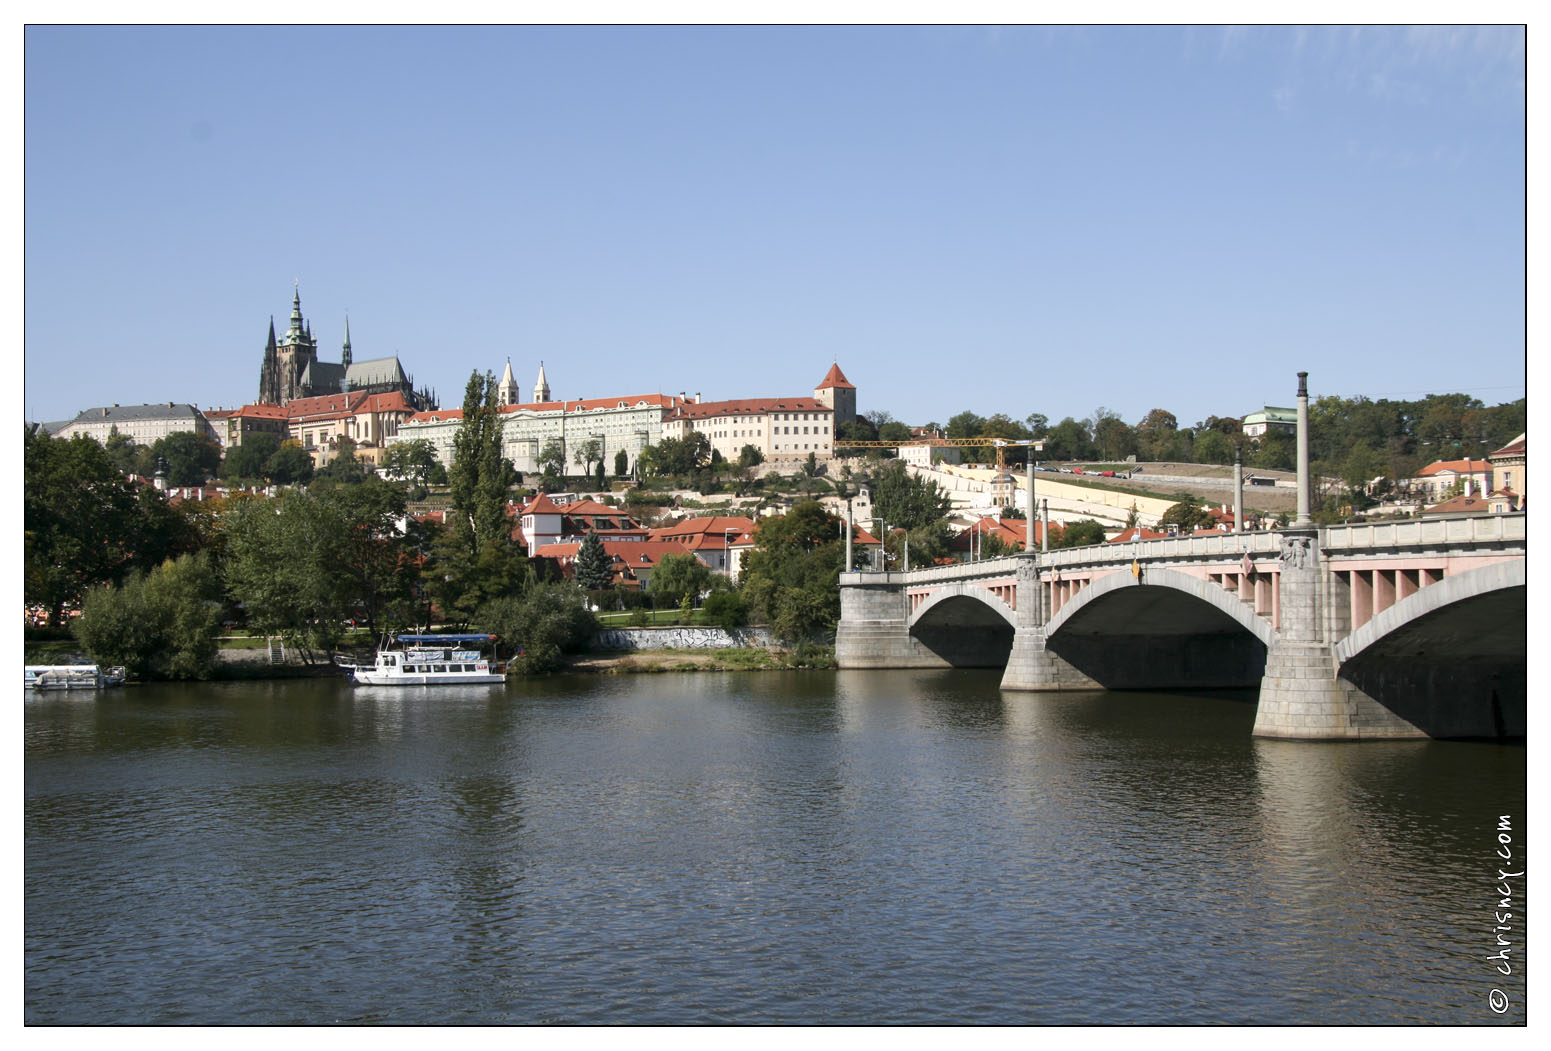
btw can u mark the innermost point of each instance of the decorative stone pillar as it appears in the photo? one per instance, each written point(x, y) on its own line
point(1031, 665)
point(1238, 489)
point(1300, 693)
point(1305, 488)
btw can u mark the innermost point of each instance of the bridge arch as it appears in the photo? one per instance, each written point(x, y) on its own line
point(928, 610)
point(965, 626)
point(1213, 595)
point(1450, 659)
point(1462, 587)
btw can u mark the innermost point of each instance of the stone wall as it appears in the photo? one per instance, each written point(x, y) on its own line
point(683, 638)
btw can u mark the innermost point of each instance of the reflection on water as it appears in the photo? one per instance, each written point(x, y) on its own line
point(775, 847)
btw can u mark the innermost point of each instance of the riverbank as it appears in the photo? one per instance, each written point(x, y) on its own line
point(648, 662)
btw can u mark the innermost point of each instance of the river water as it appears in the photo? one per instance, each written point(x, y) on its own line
point(805, 847)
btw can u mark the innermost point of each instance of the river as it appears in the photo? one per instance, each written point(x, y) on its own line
point(759, 848)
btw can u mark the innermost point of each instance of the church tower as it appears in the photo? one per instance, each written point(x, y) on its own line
point(541, 386)
point(506, 391)
point(345, 359)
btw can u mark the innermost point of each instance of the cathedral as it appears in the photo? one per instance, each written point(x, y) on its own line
point(292, 370)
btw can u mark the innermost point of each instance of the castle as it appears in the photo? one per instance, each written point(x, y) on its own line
point(292, 371)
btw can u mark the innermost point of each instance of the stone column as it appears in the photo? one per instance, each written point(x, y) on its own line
point(1305, 519)
point(1044, 533)
point(1238, 490)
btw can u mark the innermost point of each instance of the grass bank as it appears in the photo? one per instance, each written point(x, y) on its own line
point(648, 662)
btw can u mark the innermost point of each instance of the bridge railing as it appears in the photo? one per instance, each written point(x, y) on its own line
point(1180, 549)
point(1476, 531)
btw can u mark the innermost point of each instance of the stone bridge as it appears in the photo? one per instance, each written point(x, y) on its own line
point(1379, 630)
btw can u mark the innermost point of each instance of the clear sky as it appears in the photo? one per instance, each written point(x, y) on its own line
point(1002, 220)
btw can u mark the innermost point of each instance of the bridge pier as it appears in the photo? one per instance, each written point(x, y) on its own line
point(1302, 697)
point(874, 630)
point(1031, 666)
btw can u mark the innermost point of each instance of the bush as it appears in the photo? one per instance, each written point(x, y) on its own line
point(724, 609)
point(546, 622)
point(161, 625)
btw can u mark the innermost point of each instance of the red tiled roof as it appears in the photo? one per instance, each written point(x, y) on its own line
point(635, 553)
point(1513, 448)
point(273, 412)
point(746, 407)
point(1137, 533)
point(1457, 466)
point(541, 505)
point(324, 404)
point(392, 401)
point(704, 527)
point(1477, 504)
point(835, 378)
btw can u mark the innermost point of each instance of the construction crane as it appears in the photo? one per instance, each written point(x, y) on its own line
point(1038, 444)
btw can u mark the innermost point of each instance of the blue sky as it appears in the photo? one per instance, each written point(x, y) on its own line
point(1002, 220)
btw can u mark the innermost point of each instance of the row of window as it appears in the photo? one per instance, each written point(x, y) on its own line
point(430, 669)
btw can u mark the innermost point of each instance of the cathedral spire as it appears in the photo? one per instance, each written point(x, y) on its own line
point(506, 392)
point(345, 359)
point(541, 386)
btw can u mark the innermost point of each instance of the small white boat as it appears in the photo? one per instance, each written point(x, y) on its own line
point(429, 660)
point(71, 677)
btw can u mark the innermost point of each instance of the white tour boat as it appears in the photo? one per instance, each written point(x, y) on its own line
point(71, 677)
point(430, 660)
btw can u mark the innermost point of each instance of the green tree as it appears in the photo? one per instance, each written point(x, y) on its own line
point(551, 461)
point(246, 462)
point(908, 501)
point(621, 464)
point(122, 451)
point(1068, 440)
point(965, 425)
point(159, 625)
point(546, 622)
point(750, 456)
point(586, 453)
point(594, 567)
point(1077, 534)
point(289, 464)
point(412, 461)
point(79, 521)
point(379, 568)
point(679, 577)
point(285, 562)
point(476, 558)
point(860, 429)
point(1187, 514)
point(791, 576)
point(343, 468)
point(724, 609)
point(191, 458)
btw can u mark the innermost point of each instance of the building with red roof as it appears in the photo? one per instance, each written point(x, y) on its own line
point(779, 428)
point(1439, 479)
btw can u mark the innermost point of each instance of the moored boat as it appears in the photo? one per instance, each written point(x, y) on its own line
point(71, 676)
point(430, 660)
